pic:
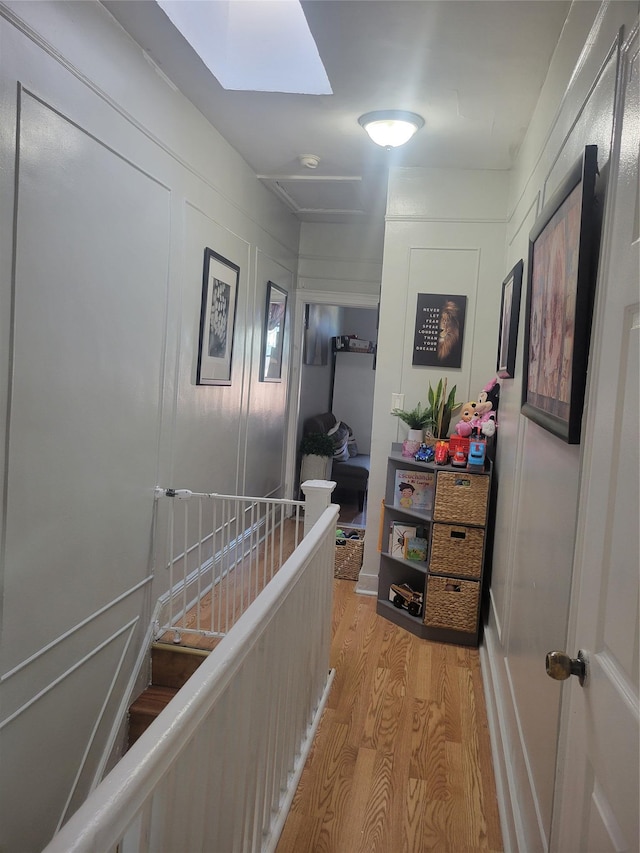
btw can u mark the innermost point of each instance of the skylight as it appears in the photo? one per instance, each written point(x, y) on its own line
point(252, 45)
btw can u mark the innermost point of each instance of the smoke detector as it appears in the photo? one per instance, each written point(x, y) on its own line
point(309, 161)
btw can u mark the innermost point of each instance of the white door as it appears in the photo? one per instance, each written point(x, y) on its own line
point(597, 798)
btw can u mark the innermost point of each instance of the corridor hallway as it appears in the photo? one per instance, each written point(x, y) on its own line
point(401, 760)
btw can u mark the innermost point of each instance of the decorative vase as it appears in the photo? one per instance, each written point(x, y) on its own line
point(411, 444)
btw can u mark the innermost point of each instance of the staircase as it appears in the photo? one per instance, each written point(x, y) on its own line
point(171, 667)
point(246, 720)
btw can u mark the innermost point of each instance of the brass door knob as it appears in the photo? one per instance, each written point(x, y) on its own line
point(560, 666)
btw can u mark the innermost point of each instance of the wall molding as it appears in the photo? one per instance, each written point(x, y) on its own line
point(544, 143)
point(62, 637)
point(78, 663)
point(22, 26)
point(309, 283)
point(521, 743)
point(613, 49)
point(452, 220)
point(507, 805)
point(105, 749)
point(311, 256)
point(535, 202)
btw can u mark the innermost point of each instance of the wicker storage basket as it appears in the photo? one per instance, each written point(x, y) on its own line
point(461, 497)
point(349, 557)
point(452, 603)
point(456, 550)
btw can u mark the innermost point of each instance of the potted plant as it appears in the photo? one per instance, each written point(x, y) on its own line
point(440, 409)
point(435, 418)
point(317, 456)
point(417, 420)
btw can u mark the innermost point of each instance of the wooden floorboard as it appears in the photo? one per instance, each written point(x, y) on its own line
point(401, 760)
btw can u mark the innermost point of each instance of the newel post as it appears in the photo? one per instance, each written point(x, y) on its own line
point(317, 497)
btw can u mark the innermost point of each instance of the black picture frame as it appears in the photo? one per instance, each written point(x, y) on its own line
point(509, 322)
point(220, 280)
point(272, 350)
point(562, 262)
point(439, 330)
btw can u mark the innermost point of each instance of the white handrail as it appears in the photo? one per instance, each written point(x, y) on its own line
point(215, 768)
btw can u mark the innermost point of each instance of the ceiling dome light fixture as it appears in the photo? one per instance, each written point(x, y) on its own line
point(391, 128)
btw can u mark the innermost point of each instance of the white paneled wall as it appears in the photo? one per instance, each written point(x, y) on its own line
point(111, 187)
point(539, 475)
point(445, 233)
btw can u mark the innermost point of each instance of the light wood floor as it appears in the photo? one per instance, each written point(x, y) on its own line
point(401, 760)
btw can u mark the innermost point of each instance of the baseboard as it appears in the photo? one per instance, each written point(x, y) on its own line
point(367, 584)
point(507, 801)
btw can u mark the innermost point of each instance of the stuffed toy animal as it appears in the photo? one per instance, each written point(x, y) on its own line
point(464, 427)
point(488, 424)
point(485, 420)
point(489, 398)
point(468, 410)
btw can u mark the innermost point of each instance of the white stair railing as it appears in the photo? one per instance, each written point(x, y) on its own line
point(224, 549)
point(217, 770)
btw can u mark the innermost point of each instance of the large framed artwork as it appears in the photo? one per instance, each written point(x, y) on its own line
point(439, 330)
point(273, 334)
point(561, 276)
point(217, 319)
point(509, 321)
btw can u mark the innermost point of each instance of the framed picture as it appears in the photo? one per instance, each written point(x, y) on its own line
point(439, 330)
point(509, 320)
point(273, 334)
point(561, 275)
point(217, 319)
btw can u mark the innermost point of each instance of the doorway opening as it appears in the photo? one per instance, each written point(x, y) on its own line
point(341, 382)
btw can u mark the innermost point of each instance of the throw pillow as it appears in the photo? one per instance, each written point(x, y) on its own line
point(352, 446)
point(339, 434)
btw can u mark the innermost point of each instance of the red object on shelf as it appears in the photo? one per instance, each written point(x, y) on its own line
point(458, 442)
point(441, 453)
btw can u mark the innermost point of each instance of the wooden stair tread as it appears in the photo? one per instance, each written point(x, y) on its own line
point(144, 710)
point(152, 700)
point(172, 666)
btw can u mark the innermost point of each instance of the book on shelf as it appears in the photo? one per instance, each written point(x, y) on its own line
point(414, 490)
point(397, 535)
point(415, 548)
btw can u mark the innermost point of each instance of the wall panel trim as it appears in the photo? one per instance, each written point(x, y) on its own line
point(73, 630)
point(128, 627)
point(47, 48)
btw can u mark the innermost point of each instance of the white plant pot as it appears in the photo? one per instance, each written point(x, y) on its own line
point(315, 467)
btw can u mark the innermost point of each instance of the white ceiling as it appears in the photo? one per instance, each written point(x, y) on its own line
point(472, 68)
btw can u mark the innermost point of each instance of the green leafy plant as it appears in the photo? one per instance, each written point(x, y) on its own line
point(441, 407)
point(316, 444)
point(417, 418)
